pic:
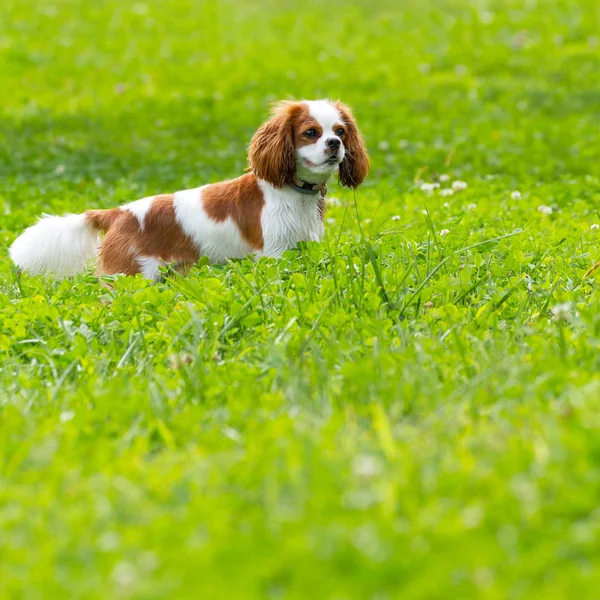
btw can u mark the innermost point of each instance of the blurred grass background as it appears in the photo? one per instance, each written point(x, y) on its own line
point(361, 420)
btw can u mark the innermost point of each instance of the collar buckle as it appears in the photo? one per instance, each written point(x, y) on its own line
point(309, 189)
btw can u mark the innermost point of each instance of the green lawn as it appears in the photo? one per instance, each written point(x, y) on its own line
point(395, 413)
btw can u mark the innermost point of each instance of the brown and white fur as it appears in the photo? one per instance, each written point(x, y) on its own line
point(262, 212)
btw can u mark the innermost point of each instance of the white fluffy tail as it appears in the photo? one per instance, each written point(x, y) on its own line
point(58, 245)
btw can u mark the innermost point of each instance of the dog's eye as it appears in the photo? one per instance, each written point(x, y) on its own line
point(340, 132)
point(311, 133)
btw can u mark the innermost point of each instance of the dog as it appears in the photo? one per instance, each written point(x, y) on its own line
point(279, 202)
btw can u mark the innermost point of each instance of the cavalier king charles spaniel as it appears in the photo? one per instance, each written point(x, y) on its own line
point(278, 203)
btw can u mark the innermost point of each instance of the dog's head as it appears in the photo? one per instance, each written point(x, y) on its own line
point(310, 141)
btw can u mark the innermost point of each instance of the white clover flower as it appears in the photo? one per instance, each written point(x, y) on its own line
point(333, 201)
point(429, 187)
point(459, 186)
point(60, 169)
point(384, 145)
point(366, 466)
point(108, 541)
point(444, 232)
point(545, 210)
point(444, 177)
point(367, 221)
point(516, 195)
point(67, 415)
point(124, 574)
point(595, 227)
point(471, 206)
point(486, 17)
point(471, 516)
point(396, 218)
point(562, 311)
point(446, 205)
point(423, 212)
point(447, 192)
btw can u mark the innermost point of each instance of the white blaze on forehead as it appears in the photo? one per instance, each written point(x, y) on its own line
point(325, 113)
point(312, 158)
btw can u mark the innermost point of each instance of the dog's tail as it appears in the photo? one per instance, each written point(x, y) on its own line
point(61, 246)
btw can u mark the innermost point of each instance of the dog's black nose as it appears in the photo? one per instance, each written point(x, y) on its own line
point(333, 143)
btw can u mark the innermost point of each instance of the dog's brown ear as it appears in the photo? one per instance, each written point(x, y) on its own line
point(272, 154)
point(355, 166)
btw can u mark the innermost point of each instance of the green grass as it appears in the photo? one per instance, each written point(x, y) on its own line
point(391, 413)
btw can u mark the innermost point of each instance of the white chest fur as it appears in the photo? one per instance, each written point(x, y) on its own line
point(288, 217)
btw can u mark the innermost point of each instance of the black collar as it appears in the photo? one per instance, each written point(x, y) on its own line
point(310, 189)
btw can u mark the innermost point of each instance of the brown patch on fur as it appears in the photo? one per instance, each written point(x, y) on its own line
point(126, 241)
point(341, 126)
point(355, 166)
point(119, 250)
point(102, 220)
point(272, 151)
point(301, 123)
point(163, 236)
point(243, 201)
